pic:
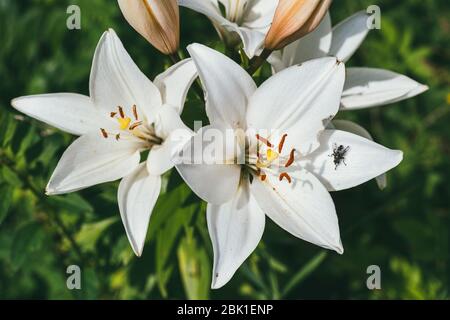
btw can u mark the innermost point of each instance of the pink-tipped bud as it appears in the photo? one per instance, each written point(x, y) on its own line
point(158, 21)
point(294, 19)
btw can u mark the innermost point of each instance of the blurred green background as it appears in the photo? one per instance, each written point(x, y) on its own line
point(403, 229)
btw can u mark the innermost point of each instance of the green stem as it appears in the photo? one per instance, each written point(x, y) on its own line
point(257, 61)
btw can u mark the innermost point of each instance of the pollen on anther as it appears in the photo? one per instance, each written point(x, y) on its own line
point(122, 114)
point(135, 112)
point(104, 133)
point(281, 144)
point(265, 141)
point(291, 159)
point(286, 176)
point(135, 125)
point(263, 177)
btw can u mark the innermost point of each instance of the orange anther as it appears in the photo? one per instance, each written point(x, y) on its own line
point(280, 146)
point(285, 175)
point(291, 159)
point(265, 141)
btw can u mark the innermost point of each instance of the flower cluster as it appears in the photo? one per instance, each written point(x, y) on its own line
point(273, 150)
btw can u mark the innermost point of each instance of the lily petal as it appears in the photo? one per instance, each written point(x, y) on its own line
point(117, 81)
point(92, 160)
point(209, 175)
point(303, 208)
point(367, 87)
point(208, 8)
point(364, 160)
point(314, 45)
point(175, 83)
point(72, 113)
point(168, 126)
point(299, 101)
point(348, 36)
point(259, 15)
point(137, 197)
point(252, 40)
point(228, 87)
point(235, 228)
point(354, 128)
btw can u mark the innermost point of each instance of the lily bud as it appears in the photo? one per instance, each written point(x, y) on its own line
point(294, 19)
point(158, 21)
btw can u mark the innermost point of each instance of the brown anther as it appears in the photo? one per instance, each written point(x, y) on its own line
point(286, 176)
point(281, 144)
point(118, 136)
point(263, 177)
point(135, 112)
point(104, 133)
point(122, 114)
point(291, 159)
point(135, 125)
point(265, 141)
point(113, 114)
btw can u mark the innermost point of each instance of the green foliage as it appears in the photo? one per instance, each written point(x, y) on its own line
point(403, 229)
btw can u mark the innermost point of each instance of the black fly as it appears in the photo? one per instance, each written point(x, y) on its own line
point(338, 155)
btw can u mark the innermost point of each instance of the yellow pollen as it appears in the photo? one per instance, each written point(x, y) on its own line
point(124, 123)
point(271, 155)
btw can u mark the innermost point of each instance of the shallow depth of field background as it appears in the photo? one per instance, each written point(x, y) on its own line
point(403, 229)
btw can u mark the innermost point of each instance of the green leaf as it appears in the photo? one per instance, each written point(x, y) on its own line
point(90, 233)
point(194, 267)
point(10, 177)
point(304, 272)
point(6, 194)
point(26, 240)
point(72, 203)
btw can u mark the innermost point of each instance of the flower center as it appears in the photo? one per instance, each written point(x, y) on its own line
point(270, 156)
point(131, 127)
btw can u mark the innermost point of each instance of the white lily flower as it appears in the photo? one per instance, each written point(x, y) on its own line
point(125, 115)
point(364, 87)
point(244, 20)
point(288, 173)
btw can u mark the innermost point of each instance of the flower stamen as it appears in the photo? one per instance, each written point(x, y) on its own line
point(265, 141)
point(104, 133)
point(285, 175)
point(281, 144)
point(291, 159)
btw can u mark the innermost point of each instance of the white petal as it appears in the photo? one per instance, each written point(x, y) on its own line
point(314, 45)
point(168, 126)
point(228, 86)
point(92, 160)
point(364, 160)
point(208, 174)
point(175, 83)
point(137, 197)
point(303, 208)
point(299, 101)
point(73, 113)
point(117, 81)
point(348, 35)
point(367, 87)
point(235, 228)
point(354, 128)
point(252, 40)
point(259, 15)
point(208, 8)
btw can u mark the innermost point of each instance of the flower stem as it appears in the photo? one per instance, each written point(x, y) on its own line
point(257, 61)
